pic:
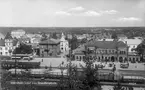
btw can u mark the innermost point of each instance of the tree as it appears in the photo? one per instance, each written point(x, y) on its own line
point(118, 86)
point(84, 40)
point(5, 77)
point(23, 49)
point(114, 36)
point(73, 81)
point(54, 36)
point(91, 79)
point(74, 42)
point(44, 37)
point(141, 50)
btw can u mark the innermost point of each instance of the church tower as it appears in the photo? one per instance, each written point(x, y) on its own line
point(64, 46)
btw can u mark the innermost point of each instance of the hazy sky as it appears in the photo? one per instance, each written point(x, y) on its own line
point(72, 13)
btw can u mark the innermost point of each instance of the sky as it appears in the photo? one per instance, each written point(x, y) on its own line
point(72, 13)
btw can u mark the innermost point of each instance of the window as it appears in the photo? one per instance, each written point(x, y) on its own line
point(6, 48)
point(105, 51)
point(6, 53)
point(76, 57)
point(112, 51)
point(80, 58)
point(136, 59)
point(120, 52)
point(1, 53)
point(83, 57)
point(0, 48)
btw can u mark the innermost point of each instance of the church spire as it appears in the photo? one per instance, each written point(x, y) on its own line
point(62, 37)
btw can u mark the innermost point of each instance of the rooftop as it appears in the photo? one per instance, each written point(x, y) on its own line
point(106, 44)
point(49, 41)
point(8, 36)
point(132, 41)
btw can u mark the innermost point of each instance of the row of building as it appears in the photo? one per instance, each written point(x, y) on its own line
point(106, 51)
point(48, 47)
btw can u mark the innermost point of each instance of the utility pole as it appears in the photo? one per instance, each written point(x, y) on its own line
point(16, 72)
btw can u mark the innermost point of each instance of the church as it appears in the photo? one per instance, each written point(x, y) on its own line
point(64, 45)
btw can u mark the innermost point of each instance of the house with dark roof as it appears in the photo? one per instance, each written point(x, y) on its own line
point(104, 51)
point(49, 47)
point(7, 45)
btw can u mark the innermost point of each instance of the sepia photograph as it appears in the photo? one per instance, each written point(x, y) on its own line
point(72, 44)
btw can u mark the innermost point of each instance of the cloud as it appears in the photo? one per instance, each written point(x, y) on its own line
point(128, 19)
point(62, 13)
point(77, 9)
point(109, 12)
point(92, 13)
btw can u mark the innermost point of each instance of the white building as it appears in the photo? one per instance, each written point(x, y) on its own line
point(64, 45)
point(132, 43)
point(18, 33)
point(7, 45)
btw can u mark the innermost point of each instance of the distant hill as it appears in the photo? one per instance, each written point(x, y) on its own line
point(4, 30)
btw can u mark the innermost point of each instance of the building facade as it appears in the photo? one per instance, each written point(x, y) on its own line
point(7, 45)
point(132, 43)
point(104, 51)
point(49, 48)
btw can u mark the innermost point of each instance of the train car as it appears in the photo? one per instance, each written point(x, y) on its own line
point(134, 79)
point(106, 77)
point(19, 64)
point(45, 73)
point(37, 73)
point(18, 72)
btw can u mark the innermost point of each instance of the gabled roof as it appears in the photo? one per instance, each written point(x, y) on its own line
point(48, 41)
point(106, 44)
point(2, 42)
point(8, 36)
point(24, 39)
